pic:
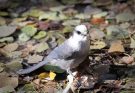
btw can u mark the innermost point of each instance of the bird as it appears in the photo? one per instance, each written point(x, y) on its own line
point(69, 54)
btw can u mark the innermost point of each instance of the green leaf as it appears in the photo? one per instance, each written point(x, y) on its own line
point(33, 13)
point(99, 15)
point(41, 47)
point(4, 13)
point(52, 16)
point(29, 30)
point(40, 35)
point(23, 37)
point(72, 22)
point(7, 39)
point(7, 89)
point(14, 65)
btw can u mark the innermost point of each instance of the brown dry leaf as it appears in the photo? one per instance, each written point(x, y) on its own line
point(96, 34)
point(11, 47)
point(127, 59)
point(35, 58)
point(50, 87)
point(116, 46)
point(36, 81)
point(25, 52)
point(97, 21)
point(1, 67)
point(8, 81)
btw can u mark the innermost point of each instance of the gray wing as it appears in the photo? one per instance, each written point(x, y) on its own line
point(64, 51)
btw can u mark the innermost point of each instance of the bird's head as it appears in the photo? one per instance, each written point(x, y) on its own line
point(80, 32)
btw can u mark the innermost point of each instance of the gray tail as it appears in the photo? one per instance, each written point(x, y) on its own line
point(33, 68)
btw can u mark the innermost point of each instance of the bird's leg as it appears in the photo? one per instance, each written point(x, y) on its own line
point(70, 78)
point(70, 72)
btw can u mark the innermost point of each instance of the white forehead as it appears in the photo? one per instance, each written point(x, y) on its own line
point(81, 28)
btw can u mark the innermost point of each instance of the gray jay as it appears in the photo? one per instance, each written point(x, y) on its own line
point(69, 54)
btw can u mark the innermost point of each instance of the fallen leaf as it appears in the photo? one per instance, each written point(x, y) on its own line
point(37, 82)
point(125, 16)
point(82, 16)
point(67, 29)
point(7, 30)
point(28, 88)
point(34, 58)
point(52, 75)
point(97, 21)
point(41, 47)
point(2, 66)
point(97, 45)
point(11, 47)
point(103, 2)
point(132, 44)
point(52, 16)
point(7, 39)
point(14, 54)
point(43, 75)
point(33, 12)
point(100, 15)
point(4, 13)
point(127, 60)
point(43, 25)
point(71, 22)
point(40, 35)
point(29, 30)
point(96, 34)
point(60, 41)
point(7, 89)
point(116, 46)
point(8, 81)
point(116, 32)
point(23, 37)
point(57, 8)
point(2, 21)
point(14, 65)
point(25, 52)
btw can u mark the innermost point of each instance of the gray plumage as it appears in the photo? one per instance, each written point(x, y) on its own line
point(67, 55)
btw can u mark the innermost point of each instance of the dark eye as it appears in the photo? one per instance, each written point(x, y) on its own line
point(78, 32)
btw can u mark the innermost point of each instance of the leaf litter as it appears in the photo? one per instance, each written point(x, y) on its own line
point(26, 37)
